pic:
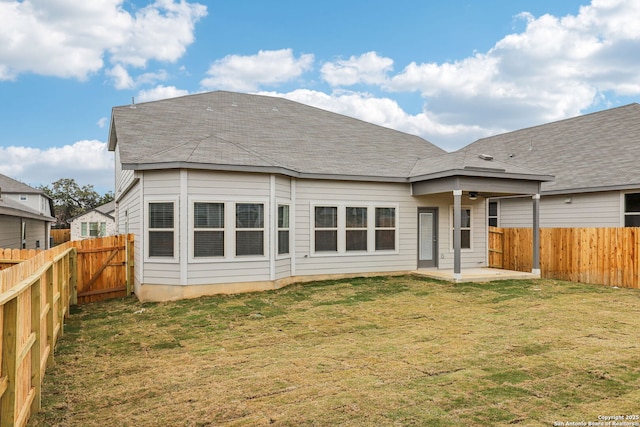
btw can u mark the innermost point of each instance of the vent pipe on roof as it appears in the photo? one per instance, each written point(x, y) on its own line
point(133, 103)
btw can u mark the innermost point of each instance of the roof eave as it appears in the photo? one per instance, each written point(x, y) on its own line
point(260, 169)
point(482, 174)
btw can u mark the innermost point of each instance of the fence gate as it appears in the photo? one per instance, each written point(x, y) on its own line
point(496, 247)
point(104, 267)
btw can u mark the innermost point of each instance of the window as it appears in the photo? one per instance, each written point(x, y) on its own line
point(208, 233)
point(385, 229)
point(96, 229)
point(493, 214)
point(632, 210)
point(83, 229)
point(465, 228)
point(326, 229)
point(283, 229)
point(249, 229)
point(161, 229)
point(356, 229)
point(23, 198)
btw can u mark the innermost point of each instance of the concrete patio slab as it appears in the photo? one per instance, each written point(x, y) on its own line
point(476, 274)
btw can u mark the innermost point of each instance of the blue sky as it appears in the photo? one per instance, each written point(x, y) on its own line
point(451, 72)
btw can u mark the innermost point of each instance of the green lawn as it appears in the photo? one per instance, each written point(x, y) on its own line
point(387, 351)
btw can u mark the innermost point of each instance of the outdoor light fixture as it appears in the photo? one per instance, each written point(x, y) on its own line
point(473, 195)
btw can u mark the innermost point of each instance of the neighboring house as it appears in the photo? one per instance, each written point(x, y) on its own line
point(229, 192)
point(594, 159)
point(97, 222)
point(25, 216)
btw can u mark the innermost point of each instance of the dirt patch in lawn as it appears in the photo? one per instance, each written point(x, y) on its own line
point(362, 352)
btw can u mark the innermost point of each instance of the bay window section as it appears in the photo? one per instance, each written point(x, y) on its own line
point(283, 229)
point(326, 228)
point(385, 229)
point(249, 229)
point(161, 229)
point(208, 233)
point(356, 228)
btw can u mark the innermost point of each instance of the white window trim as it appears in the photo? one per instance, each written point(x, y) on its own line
point(497, 202)
point(277, 236)
point(471, 228)
point(342, 236)
point(176, 230)
point(230, 230)
point(192, 230)
point(623, 207)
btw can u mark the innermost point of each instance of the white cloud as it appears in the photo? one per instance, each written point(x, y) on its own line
point(248, 73)
point(102, 122)
point(121, 78)
point(160, 92)
point(367, 68)
point(88, 162)
point(66, 38)
point(555, 68)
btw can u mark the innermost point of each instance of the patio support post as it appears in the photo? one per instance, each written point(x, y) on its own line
point(536, 234)
point(457, 234)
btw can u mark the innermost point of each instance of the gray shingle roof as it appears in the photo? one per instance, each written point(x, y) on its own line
point(10, 185)
point(597, 151)
point(468, 163)
point(231, 130)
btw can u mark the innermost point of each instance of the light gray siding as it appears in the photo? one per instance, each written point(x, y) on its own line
point(602, 209)
point(10, 232)
point(474, 257)
point(311, 193)
point(129, 220)
point(229, 188)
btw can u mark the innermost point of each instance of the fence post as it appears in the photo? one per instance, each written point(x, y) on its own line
point(9, 362)
point(36, 349)
point(50, 319)
point(73, 278)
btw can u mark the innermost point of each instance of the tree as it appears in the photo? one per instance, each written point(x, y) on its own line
point(70, 200)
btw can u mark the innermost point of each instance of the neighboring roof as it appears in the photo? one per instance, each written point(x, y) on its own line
point(14, 208)
point(10, 185)
point(106, 210)
point(233, 131)
point(595, 152)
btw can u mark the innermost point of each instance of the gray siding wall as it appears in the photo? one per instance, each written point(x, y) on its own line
point(129, 220)
point(10, 232)
point(187, 187)
point(603, 209)
point(343, 193)
point(474, 257)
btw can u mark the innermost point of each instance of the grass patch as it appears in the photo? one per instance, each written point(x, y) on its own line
point(360, 352)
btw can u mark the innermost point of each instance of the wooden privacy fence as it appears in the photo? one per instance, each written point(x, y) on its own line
point(60, 235)
point(34, 299)
point(36, 289)
point(607, 256)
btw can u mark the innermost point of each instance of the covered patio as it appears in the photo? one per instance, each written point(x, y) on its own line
point(475, 176)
